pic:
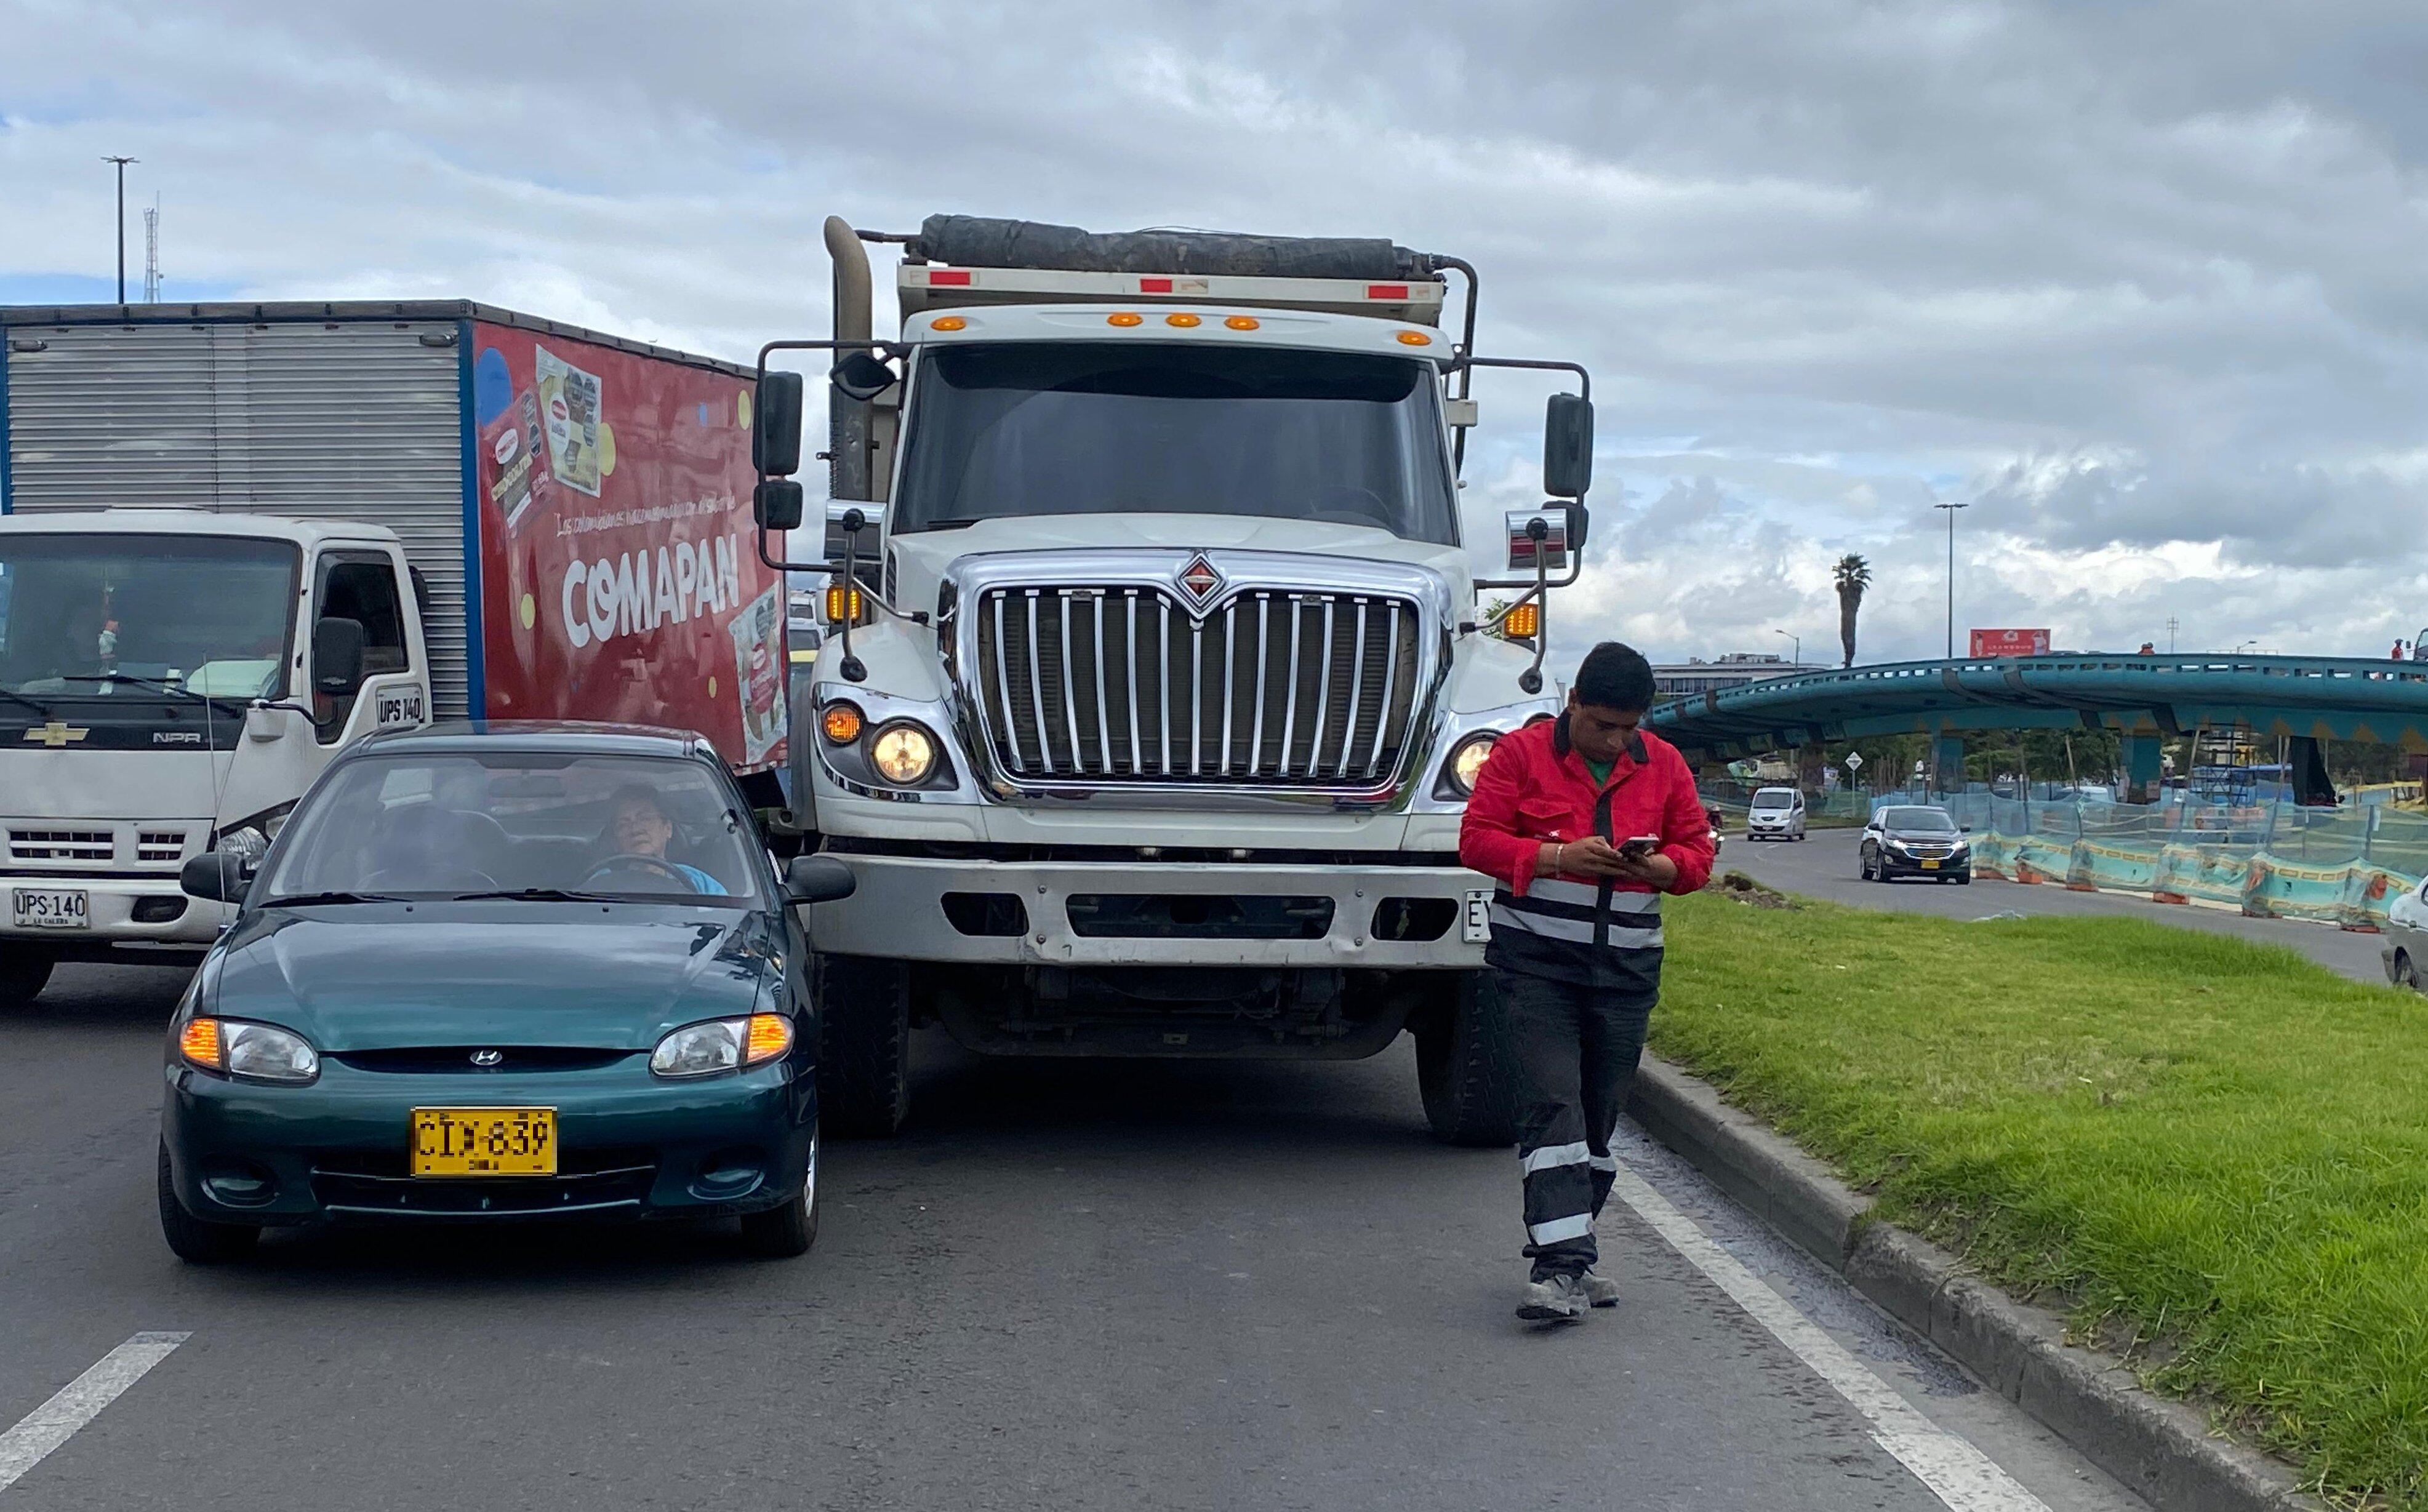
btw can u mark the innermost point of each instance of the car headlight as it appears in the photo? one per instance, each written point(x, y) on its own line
point(257, 1052)
point(903, 754)
point(722, 1044)
point(1467, 760)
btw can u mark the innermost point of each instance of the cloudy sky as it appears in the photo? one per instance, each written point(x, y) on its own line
point(2142, 284)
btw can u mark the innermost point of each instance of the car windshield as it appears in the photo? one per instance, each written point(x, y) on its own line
point(1774, 798)
point(1919, 821)
point(1022, 429)
point(626, 828)
point(207, 613)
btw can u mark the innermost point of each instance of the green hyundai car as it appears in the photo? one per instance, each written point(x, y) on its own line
point(500, 973)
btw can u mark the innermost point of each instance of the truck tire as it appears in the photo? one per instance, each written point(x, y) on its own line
point(24, 973)
point(864, 1046)
point(1464, 1067)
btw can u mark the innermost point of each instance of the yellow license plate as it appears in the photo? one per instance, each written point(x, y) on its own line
point(484, 1142)
point(1930, 865)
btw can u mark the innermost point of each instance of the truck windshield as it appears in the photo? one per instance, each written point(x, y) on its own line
point(1025, 428)
point(209, 614)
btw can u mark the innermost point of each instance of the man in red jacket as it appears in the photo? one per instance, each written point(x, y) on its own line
point(1583, 821)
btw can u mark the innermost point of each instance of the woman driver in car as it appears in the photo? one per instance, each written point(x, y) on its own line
point(641, 828)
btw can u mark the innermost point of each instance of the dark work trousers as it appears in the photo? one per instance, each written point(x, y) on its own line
point(1576, 1045)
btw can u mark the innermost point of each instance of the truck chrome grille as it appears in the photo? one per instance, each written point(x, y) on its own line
point(1271, 688)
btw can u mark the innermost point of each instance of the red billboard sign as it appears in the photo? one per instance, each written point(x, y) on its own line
point(619, 574)
point(2010, 642)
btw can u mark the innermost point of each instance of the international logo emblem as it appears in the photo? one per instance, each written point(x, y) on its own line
point(1199, 581)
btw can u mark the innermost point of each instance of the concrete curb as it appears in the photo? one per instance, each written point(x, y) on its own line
point(2161, 1450)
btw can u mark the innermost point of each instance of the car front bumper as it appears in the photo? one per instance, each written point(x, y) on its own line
point(631, 1144)
point(1891, 864)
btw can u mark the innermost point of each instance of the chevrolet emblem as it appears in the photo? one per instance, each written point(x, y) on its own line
point(56, 734)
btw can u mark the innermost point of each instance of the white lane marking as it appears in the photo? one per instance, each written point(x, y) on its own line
point(1959, 1475)
point(80, 1402)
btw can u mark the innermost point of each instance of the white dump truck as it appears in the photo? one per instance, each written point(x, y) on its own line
point(1158, 668)
point(233, 538)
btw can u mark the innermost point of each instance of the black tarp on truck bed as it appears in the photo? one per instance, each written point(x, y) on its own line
point(979, 242)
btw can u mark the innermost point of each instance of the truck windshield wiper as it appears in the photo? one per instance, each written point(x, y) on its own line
point(539, 895)
point(298, 899)
point(154, 683)
point(39, 707)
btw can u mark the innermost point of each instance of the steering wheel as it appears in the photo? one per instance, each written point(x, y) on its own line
point(633, 860)
point(440, 880)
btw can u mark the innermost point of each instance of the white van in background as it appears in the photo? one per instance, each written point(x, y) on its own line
point(1776, 813)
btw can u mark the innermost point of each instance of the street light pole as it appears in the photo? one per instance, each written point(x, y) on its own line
point(1950, 510)
point(1798, 642)
point(121, 163)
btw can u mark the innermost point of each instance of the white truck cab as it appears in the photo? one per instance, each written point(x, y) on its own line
point(171, 680)
point(1149, 717)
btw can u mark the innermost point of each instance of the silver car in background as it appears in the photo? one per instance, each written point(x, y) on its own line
point(1776, 813)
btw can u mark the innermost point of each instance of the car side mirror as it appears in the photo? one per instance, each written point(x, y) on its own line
point(215, 876)
point(1964, 828)
point(776, 504)
point(775, 425)
point(337, 656)
point(1567, 446)
point(818, 880)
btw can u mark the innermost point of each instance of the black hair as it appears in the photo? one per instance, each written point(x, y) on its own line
point(638, 793)
point(1613, 676)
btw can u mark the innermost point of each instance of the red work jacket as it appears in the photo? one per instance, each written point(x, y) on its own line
point(1535, 788)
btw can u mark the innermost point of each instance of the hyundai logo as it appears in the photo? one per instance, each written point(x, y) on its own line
point(487, 1058)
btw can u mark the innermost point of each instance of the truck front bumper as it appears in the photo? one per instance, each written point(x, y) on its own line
point(125, 918)
point(1383, 918)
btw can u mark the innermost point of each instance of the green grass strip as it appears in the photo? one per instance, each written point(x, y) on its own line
point(2212, 1152)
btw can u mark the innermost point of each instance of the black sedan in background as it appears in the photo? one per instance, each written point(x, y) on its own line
point(1913, 840)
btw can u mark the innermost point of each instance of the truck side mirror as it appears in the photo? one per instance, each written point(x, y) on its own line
point(839, 512)
point(1580, 517)
point(818, 880)
point(775, 425)
point(776, 503)
point(1550, 544)
point(215, 877)
point(1567, 446)
point(337, 656)
point(861, 376)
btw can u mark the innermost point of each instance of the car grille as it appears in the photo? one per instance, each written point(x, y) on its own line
point(1274, 688)
point(456, 1060)
point(380, 1181)
point(160, 847)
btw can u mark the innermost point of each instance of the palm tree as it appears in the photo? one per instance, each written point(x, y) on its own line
point(1852, 575)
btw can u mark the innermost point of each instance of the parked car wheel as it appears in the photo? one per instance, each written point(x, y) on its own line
point(863, 1046)
point(195, 1240)
point(2405, 970)
point(1466, 1069)
point(782, 1233)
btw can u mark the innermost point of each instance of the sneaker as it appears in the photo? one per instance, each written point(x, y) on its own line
point(1561, 1299)
point(1599, 1289)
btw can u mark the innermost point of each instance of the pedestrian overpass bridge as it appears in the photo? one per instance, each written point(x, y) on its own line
point(2144, 698)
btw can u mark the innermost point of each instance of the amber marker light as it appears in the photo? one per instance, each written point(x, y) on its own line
point(1415, 338)
point(1125, 318)
point(1242, 323)
point(839, 723)
point(1522, 622)
point(1184, 320)
point(769, 1036)
point(199, 1041)
point(948, 323)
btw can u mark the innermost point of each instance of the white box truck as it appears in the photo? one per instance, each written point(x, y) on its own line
point(1151, 707)
point(235, 538)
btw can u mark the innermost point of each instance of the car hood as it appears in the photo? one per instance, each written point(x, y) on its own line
point(374, 976)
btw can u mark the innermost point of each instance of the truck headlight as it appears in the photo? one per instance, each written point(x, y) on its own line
point(903, 754)
point(1467, 758)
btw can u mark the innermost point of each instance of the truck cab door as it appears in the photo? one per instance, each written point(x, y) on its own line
point(371, 587)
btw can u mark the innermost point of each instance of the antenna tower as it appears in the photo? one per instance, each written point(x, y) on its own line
point(152, 253)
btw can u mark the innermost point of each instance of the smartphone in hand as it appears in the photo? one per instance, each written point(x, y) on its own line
point(1639, 848)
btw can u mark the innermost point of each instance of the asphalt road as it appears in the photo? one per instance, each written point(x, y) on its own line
point(1072, 1286)
point(1822, 865)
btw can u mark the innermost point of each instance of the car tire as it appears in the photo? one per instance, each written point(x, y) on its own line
point(1963, 880)
point(2406, 972)
point(24, 974)
point(197, 1240)
point(785, 1232)
point(1466, 1070)
point(864, 1046)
